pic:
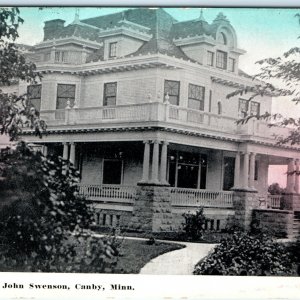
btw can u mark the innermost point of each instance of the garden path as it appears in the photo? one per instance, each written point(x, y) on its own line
point(178, 262)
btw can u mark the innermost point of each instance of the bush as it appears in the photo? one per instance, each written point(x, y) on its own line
point(44, 212)
point(243, 254)
point(194, 225)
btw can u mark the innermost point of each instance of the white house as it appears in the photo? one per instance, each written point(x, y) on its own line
point(137, 101)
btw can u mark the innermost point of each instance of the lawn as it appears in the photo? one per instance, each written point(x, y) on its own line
point(134, 254)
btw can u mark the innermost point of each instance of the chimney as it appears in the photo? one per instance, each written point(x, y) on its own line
point(52, 27)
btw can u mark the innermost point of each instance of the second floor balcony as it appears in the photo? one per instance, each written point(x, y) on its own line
point(157, 113)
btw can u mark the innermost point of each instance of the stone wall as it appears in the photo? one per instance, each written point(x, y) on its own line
point(152, 210)
point(291, 202)
point(243, 203)
point(276, 222)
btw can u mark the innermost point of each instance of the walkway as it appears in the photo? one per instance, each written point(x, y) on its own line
point(178, 262)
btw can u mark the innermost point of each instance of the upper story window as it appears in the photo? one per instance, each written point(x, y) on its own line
point(231, 64)
point(243, 108)
point(110, 94)
point(196, 97)
point(61, 56)
point(172, 90)
point(254, 108)
point(65, 93)
point(112, 49)
point(210, 58)
point(34, 93)
point(219, 108)
point(221, 60)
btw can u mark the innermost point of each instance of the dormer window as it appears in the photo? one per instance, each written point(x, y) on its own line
point(231, 64)
point(113, 49)
point(221, 60)
point(210, 58)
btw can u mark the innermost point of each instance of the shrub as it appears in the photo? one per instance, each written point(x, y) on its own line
point(243, 254)
point(194, 225)
point(44, 212)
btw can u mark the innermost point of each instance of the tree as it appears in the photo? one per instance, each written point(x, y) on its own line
point(15, 110)
point(284, 71)
point(275, 189)
point(44, 222)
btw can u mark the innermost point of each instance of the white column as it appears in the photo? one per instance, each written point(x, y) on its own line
point(237, 168)
point(163, 163)
point(291, 176)
point(66, 151)
point(146, 162)
point(155, 161)
point(246, 170)
point(297, 176)
point(72, 153)
point(252, 170)
point(45, 150)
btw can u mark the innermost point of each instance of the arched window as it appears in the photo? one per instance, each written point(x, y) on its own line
point(219, 108)
point(222, 38)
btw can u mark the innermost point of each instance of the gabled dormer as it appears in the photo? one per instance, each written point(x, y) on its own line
point(213, 45)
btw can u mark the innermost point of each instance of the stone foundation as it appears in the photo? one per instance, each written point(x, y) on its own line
point(152, 210)
point(276, 222)
point(243, 204)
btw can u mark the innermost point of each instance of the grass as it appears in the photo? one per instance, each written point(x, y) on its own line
point(134, 254)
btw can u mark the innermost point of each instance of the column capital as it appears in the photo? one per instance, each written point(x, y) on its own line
point(165, 143)
point(65, 143)
point(155, 142)
point(146, 142)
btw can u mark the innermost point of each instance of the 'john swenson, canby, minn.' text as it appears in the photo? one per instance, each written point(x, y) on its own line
point(77, 286)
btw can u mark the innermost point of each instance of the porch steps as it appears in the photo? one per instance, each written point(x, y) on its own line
point(296, 225)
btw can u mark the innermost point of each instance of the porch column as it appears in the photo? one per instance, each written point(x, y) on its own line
point(252, 170)
point(155, 160)
point(66, 151)
point(237, 168)
point(163, 163)
point(146, 162)
point(297, 176)
point(45, 150)
point(246, 170)
point(72, 153)
point(291, 176)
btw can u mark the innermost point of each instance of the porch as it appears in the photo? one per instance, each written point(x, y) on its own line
point(179, 197)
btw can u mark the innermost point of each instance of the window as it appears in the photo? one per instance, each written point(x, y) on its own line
point(112, 171)
point(254, 108)
point(221, 61)
point(172, 89)
point(65, 93)
point(110, 94)
point(243, 108)
point(61, 56)
point(219, 108)
point(210, 58)
point(113, 49)
point(196, 97)
point(256, 170)
point(231, 64)
point(34, 95)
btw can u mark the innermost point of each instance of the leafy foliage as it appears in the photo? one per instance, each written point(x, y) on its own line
point(275, 189)
point(280, 71)
point(44, 210)
point(194, 225)
point(15, 111)
point(243, 254)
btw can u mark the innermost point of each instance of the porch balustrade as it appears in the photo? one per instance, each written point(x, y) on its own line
point(274, 201)
point(193, 197)
point(157, 111)
point(108, 193)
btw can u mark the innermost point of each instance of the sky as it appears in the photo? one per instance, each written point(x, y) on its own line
point(262, 32)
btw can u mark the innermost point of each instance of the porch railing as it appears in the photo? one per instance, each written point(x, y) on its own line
point(193, 197)
point(274, 201)
point(108, 192)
